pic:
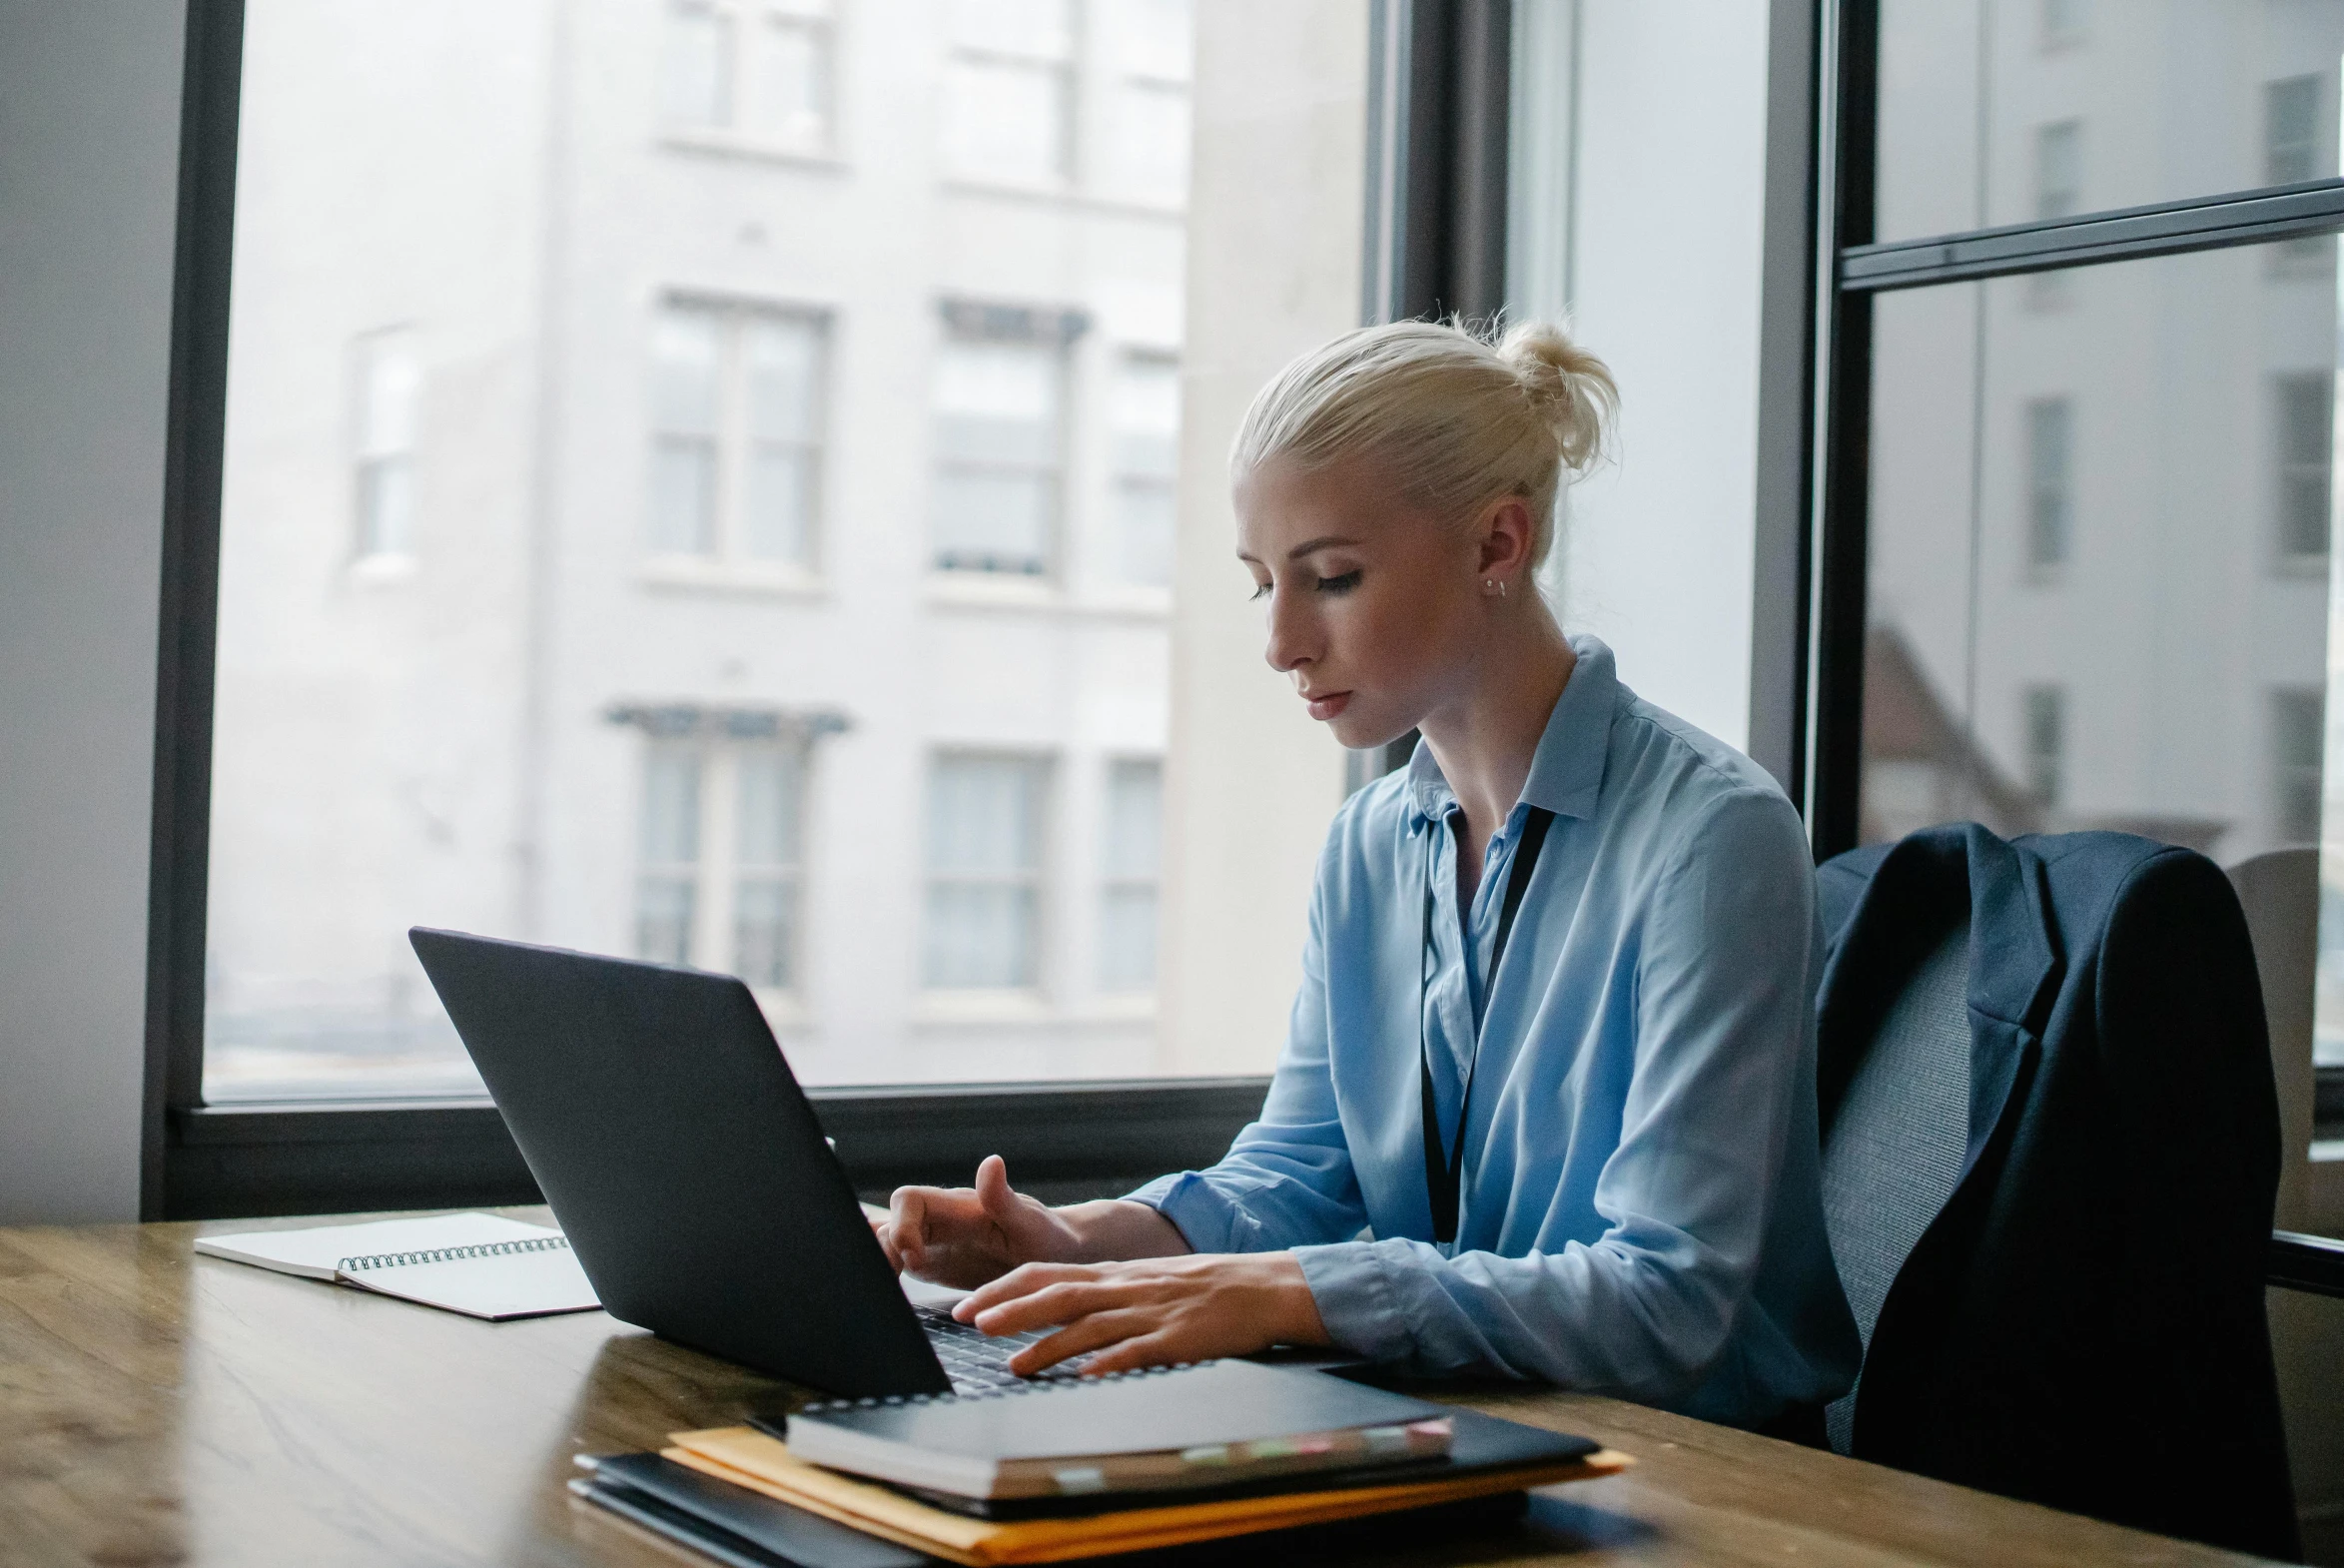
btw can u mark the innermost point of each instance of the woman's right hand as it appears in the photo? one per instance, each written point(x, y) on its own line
point(967, 1236)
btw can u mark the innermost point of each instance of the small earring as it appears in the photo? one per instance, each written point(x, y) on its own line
point(1494, 585)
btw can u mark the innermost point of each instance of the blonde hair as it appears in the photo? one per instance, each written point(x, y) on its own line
point(1458, 420)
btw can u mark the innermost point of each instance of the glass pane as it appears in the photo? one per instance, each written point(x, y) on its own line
point(766, 835)
point(1007, 120)
point(1044, 28)
point(2090, 524)
point(1151, 141)
point(385, 506)
point(684, 352)
point(788, 84)
point(782, 360)
point(723, 363)
point(683, 497)
point(984, 816)
point(1127, 939)
point(980, 936)
point(764, 930)
point(1150, 38)
point(994, 520)
point(2002, 111)
point(697, 84)
point(1134, 811)
point(1147, 518)
point(780, 503)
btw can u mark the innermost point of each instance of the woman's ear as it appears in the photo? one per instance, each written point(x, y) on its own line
point(1505, 533)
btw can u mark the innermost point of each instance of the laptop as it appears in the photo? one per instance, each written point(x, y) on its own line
point(665, 1129)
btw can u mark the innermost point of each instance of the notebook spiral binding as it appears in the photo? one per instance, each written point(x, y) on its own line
point(873, 1402)
point(452, 1255)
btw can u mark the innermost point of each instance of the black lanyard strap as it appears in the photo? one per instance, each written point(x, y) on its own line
point(1442, 1175)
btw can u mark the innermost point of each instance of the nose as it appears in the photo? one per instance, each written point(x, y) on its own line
point(1293, 634)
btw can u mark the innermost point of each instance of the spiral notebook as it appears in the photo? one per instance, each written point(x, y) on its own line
point(483, 1266)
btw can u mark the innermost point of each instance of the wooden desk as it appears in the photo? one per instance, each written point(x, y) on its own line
point(159, 1408)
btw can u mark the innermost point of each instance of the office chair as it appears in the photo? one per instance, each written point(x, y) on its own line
point(2051, 1151)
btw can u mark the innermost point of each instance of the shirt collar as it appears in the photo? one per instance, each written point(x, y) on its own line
point(1566, 772)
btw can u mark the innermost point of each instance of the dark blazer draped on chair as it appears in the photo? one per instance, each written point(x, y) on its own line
point(2082, 1325)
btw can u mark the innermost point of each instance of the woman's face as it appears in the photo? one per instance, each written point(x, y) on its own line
point(1375, 608)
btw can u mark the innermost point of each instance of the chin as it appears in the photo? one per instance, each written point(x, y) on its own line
point(1363, 732)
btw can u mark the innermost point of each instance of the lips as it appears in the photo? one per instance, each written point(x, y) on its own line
point(1327, 704)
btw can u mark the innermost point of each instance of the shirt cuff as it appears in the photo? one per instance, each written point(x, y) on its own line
point(1359, 1301)
point(1202, 1215)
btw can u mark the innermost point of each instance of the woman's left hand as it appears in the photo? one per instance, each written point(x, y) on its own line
point(1149, 1311)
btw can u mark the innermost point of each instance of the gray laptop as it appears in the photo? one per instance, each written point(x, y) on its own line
point(683, 1162)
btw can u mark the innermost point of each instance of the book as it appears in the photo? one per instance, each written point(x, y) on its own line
point(1163, 1429)
point(1488, 1458)
point(730, 1523)
point(483, 1266)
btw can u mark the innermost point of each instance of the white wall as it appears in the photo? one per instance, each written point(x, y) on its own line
point(1666, 209)
point(89, 145)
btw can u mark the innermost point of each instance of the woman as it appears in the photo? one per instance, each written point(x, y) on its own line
point(1546, 1108)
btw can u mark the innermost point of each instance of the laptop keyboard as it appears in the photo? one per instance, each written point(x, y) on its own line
point(976, 1362)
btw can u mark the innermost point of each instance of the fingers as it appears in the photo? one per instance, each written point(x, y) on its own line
point(907, 1222)
point(1023, 1280)
point(1056, 1303)
point(1093, 1332)
point(994, 1192)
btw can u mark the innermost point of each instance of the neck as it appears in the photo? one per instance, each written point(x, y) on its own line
point(1486, 739)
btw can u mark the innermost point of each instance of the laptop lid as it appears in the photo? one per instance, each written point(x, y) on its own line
point(663, 1126)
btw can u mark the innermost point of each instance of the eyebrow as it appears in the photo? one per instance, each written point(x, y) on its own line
point(1324, 541)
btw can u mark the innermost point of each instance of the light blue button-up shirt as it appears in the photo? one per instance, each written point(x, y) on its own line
point(1641, 1206)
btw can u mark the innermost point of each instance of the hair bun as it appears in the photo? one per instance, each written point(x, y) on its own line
point(1571, 387)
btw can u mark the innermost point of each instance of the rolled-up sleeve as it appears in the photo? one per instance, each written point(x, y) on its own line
point(1287, 1179)
point(1723, 976)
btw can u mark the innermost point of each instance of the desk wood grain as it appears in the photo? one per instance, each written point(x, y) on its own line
point(161, 1409)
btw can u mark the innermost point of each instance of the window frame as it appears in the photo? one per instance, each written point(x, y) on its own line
point(1819, 676)
point(1434, 239)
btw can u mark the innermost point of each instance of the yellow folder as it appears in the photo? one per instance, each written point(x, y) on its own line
point(750, 1458)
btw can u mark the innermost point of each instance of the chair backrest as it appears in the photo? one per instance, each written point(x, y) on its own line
point(2280, 894)
point(1892, 1149)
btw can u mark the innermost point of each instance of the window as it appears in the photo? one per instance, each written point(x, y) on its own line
point(2058, 169)
point(2211, 391)
point(2305, 405)
point(726, 438)
point(985, 838)
point(2047, 741)
point(2051, 495)
point(390, 383)
point(2298, 743)
point(999, 427)
point(757, 69)
point(2291, 134)
point(1148, 98)
point(736, 443)
point(717, 884)
point(1008, 91)
point(1146, 460)
point(1128, 862)
point(2063, 22)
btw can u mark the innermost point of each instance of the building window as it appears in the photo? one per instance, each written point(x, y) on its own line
point(736, 442)
point(985, 838)
point(2291, 134)
point(2051, 483)
point(1129, 858)
point(390, 383)
point(759, 68)
point(1008, 91)
point(1146, 422)
point(999, 431)
point(719, 876)
point(2298, 742)
point(1147, 104)
point(2046, 742)
point(2306, 414)
point(2063, 22)
point(2058, 169)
